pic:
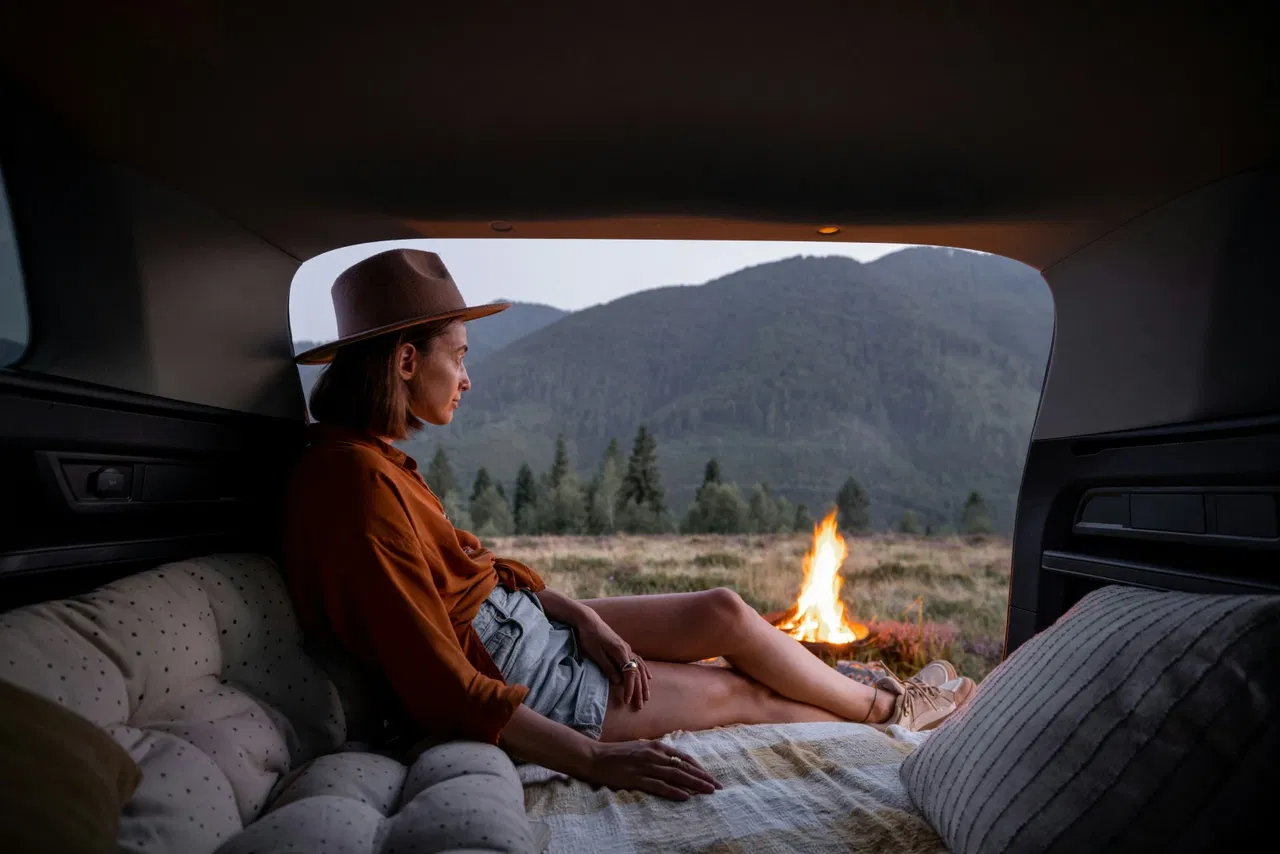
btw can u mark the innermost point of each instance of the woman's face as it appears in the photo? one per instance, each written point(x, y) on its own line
point(437, 378)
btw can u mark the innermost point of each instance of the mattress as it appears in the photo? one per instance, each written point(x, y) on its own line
point(814, 787)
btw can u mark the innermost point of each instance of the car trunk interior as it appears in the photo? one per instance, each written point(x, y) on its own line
point(165, 190)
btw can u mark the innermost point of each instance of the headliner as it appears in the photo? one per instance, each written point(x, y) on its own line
point(1029, 133)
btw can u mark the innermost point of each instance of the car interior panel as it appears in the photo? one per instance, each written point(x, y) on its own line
point(168, 169)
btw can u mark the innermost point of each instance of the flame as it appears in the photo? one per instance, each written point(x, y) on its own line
point(819, 613)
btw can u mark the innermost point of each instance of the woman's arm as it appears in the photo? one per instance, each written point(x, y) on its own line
point(648, 766)
point(602, 645)
point(560, 607)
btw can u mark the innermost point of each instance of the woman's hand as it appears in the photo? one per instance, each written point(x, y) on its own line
point(649, 766)
point(606, 648)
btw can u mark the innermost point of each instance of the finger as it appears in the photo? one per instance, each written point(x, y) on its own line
point(688, 763)
point(678, 776)
point(643, 673)
point(635, 689)
point(661, 788)
point(664, 754)
point(620, 654)
point(632, 691)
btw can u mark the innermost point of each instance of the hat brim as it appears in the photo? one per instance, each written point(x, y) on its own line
point(324, 354)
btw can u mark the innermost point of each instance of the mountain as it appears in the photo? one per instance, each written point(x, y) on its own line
point(484, 337)
point(918, 373)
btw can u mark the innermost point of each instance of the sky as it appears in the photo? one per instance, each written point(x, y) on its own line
point(567, 274)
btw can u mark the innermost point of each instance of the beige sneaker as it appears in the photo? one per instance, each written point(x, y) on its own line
point(921, 707)
point(935, 673)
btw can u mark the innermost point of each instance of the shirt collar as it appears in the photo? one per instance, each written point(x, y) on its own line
point(333, 433)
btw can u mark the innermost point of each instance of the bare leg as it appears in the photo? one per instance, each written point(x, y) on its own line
point(684, 627)
point(696, 696)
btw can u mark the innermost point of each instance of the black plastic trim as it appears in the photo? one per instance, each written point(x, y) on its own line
point(1153, 577)
point(1132, 531)
point(157, 550)
point(42, 387)
point(1228, 456)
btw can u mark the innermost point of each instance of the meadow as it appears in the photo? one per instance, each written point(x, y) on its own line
point(922, 597)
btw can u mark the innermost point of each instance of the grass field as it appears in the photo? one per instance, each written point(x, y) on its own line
point(923, 597)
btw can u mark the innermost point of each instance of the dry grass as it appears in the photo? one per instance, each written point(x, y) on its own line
point(923, 597)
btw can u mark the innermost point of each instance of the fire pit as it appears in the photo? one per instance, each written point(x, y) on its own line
point(818, 617)
point(822, 649)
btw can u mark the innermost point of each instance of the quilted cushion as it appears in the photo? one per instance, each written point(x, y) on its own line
point(197, 669)
point(1140, 721)
point(460, 796)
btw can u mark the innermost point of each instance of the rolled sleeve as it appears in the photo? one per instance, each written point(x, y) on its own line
point(516, 576)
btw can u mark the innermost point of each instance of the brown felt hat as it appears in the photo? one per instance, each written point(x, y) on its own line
point(391, 291)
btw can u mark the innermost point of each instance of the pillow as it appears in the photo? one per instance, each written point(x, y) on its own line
point(1139, 721)
point(65, 779)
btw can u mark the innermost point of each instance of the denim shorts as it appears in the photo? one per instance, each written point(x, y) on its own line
point(543, 655)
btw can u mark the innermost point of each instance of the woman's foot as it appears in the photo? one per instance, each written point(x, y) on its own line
point(919, 706)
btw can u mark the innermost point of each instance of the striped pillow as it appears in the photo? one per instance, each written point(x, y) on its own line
point(1139, 721)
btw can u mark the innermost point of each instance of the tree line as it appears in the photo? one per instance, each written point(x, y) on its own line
point(626, 496)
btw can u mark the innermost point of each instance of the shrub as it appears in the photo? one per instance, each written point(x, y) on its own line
point(725, 559)
point(905, 647)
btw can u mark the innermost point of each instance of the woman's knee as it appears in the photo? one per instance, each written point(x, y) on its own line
point(725, 607)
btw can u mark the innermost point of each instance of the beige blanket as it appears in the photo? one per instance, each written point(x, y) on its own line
point(788, 788)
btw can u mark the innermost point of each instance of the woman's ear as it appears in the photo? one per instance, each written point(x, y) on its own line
point(407, 361)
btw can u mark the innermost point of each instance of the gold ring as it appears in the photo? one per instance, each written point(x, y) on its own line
point(630, 665)
point(675, 760)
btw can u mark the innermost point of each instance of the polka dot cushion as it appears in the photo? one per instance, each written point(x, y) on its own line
point(457, 797)
point(198, 670)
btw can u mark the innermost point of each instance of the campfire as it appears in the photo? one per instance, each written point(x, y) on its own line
point(818, 617)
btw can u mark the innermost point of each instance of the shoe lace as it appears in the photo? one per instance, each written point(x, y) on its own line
point(920, 697)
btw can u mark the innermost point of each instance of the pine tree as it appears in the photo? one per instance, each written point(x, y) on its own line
point(762, 514)
point(910, 523)
point(565, 510)
point(490, 514)
point(440, 475)
point(525, 506)
point(803, 523)
point(854, 508)
point(710, 475)
point(560, 467)
point(613, 452)
point(602, 496)
point(641, 501)
point(455, 510)
point(976, 518)
point(719, 509)
point(783, 515)
point(482, 482)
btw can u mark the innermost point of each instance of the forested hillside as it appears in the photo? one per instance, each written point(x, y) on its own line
point(917, 374)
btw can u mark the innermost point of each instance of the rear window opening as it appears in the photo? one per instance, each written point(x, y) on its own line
point(658, 416)
point(15, 329)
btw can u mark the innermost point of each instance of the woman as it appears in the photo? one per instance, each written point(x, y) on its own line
point(476, 646)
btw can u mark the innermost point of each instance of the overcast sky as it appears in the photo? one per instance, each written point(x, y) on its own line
point(568, 274)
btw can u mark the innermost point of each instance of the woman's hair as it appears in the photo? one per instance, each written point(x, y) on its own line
point(362, 390)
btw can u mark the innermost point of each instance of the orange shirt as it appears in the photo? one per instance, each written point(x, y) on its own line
point(371, 557)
